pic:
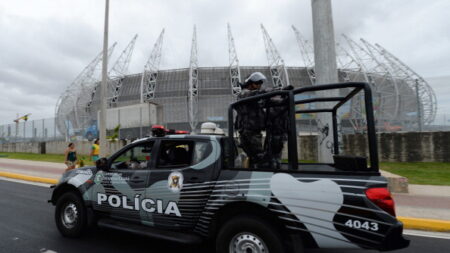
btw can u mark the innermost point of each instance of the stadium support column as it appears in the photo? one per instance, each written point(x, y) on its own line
point(235, 71)
point(325, 68)
point(118, 71)
point(193, 84)
point(276, 63)
point(103, 144)
point(150, 74)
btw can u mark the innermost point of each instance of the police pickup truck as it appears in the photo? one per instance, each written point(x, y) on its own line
point(198, 188)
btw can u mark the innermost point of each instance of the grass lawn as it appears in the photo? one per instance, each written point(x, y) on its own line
point(420, 172)
point(41, 157)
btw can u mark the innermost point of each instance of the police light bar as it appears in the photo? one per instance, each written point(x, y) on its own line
point(160, 131)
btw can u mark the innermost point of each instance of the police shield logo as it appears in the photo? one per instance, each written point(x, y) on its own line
point(175, 181)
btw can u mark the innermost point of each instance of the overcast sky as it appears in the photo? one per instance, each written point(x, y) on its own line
point(45, 44)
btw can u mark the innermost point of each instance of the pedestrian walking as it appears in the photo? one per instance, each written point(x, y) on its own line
point(70, 156)
point(95, 151)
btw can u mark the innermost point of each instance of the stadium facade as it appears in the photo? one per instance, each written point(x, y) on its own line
point(189, 96)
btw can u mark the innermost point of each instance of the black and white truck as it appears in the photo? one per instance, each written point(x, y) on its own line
point(193, 189)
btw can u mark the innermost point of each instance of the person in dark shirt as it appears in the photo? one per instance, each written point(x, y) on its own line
point(70, 156)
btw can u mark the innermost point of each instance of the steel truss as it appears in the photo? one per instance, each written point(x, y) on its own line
point(427, 97)
point(71, 105)
point(193, 84)
point(276, 63)
point(307, 52)
point(386, 93)
point(350, 70)
point(150, 74)
point(235, 71)
point(117, 73)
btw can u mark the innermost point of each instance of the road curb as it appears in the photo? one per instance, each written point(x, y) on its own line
point(425, 224)
point(28, 178)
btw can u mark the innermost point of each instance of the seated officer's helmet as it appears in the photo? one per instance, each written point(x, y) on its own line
point(255, 77)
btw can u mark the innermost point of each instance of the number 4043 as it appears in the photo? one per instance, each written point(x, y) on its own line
point(372, 226)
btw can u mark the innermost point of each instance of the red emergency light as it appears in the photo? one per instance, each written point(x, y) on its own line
point(159, 131)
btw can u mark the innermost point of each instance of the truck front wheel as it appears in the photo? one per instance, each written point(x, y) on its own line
point(70, 215)
point(247, 234)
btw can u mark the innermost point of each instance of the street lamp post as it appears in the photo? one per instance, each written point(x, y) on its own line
point(102, 122)
point(325, 69)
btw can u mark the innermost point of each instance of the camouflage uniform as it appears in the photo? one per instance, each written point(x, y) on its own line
point(277, 126)
point(250, 122)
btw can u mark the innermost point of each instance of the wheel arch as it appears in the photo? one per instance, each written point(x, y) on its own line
point(61, 189)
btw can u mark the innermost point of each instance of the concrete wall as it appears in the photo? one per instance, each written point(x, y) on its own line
point(392, 147)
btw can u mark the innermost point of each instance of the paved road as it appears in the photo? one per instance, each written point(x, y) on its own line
point(26, 225)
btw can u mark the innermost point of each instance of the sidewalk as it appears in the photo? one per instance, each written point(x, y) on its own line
point(415, 209)
point(424, 201)
point(32, 168)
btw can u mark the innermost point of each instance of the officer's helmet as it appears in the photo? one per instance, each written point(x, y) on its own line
point(255, 77)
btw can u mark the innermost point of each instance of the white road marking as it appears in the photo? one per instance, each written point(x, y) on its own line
point(25, 182)
point(439, 235)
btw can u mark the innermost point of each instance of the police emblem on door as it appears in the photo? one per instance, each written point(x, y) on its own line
point(175, 181)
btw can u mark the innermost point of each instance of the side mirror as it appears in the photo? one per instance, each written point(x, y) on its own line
point(101, 164)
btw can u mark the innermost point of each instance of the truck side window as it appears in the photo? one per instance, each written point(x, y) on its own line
point(201, 151)
point(135, 158)
point(175, 153)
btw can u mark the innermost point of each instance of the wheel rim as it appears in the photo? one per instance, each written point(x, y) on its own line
point(247, 243)
point(69, 216)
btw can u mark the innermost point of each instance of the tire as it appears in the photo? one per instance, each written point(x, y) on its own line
point(248, 234)
point(70, 215)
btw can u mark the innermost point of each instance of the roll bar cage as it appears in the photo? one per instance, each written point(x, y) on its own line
point(292, 135)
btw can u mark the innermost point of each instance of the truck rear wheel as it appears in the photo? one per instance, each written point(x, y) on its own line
point(247, 234)
point(70, 215)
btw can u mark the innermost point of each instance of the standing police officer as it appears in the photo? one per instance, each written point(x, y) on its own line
point(276, 129)
point(251, 119)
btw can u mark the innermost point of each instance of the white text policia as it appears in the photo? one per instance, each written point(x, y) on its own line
point(148, 205)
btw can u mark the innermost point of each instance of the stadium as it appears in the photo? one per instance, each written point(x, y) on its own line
point(186, 97)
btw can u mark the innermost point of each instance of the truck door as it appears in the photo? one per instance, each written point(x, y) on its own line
point(120, 190)
point(177, 186)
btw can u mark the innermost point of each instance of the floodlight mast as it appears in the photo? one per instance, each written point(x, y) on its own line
point(193, 84)
point(276, 63)
point(306, 51)
point(118, 71)
point(426, 95)
point(235, 71)
point(151, 68)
